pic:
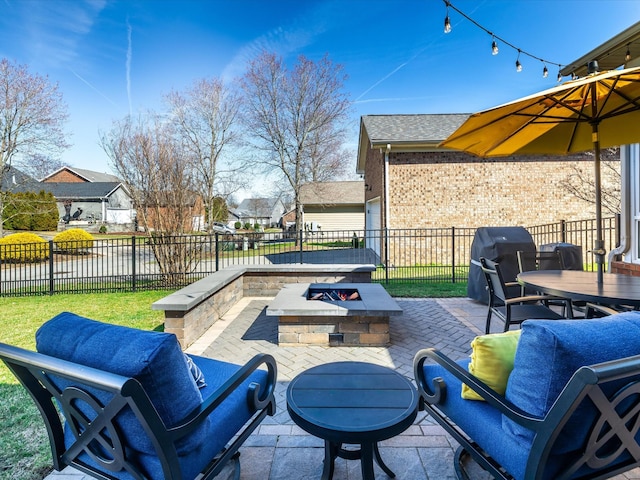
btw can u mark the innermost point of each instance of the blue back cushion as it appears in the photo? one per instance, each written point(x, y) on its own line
point(155, 359)
point(550, 352)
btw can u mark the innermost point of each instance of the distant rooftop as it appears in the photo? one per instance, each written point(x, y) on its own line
point(88, 175)
point(332, 193)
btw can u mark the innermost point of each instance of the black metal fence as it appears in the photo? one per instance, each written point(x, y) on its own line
point(134, 263)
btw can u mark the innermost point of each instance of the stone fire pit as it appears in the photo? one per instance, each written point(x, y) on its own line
point(362, 320)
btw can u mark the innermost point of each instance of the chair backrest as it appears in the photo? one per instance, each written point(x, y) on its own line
point(528, 261)
point(495, 282)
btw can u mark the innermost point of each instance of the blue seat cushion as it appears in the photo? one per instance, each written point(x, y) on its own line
point(225, 421)
point(155, 359)
point(549, 353)
point(481, 422)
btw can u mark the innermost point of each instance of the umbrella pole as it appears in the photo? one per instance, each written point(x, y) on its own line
point(598, 247)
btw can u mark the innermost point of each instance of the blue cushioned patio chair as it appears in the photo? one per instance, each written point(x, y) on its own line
point(571, 409)
point(134, 406)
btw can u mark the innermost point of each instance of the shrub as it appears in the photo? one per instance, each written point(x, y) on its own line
point(247, 226)
point(30, 211)
point(74, 240)
point(23, 247)
point(103, 229)
point(238, 225)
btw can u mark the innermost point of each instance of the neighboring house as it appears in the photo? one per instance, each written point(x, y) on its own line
point(262, 211)
point(100, 202)
point(611, 55)
point(76, 175)
point(333, 205)
point(193, 217)
point(412, 183)
point(92, 196)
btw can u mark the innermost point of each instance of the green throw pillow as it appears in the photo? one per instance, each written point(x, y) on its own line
point(492, 361)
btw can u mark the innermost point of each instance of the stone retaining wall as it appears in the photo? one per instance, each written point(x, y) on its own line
point(190, 311)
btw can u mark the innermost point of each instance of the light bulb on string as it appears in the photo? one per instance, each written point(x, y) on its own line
point(627, 56)
point(447, 21)
point(518, 64)
point(494, 47)
point(545, 72)
point(559, 76)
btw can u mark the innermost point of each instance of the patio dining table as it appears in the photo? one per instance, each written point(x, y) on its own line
point(616, 289)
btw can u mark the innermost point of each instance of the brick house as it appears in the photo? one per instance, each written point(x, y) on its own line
point(412, 183)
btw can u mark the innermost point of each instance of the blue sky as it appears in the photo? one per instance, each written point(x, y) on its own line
point(112, 58)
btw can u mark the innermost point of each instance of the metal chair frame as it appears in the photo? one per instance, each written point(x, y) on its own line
point(100, 437)
point(514, 310)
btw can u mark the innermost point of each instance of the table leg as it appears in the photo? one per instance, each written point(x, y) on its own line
point(366, 460)
point(330, 453)
point(379, 461)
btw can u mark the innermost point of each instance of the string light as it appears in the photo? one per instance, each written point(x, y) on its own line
point(447, 22)
point(627, 56)
point(496, 38)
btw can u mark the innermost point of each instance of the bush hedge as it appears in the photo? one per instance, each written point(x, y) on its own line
point(23, 247)
point(30, 211)
point(74, 240)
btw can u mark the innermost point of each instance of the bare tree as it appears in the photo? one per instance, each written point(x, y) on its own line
point(293, 116)
point(205, 116)
point(149, 157)
point(32, 117)
point(581, 182)
point(39, 166)
point(328, 160)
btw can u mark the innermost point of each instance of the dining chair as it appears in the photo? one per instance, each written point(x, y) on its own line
point(512, 310)
point(538, 260)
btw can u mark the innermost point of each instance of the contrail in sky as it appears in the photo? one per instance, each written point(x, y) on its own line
point(93, 88)
point(129, 55)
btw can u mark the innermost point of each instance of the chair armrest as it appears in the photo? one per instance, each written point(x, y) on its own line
point(256, 399)
point(534, 298)
point(438, 393)
point(601, 308)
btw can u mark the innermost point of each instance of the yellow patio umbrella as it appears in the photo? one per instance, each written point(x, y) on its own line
point(598, 111)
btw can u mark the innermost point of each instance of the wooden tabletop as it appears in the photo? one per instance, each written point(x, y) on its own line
point(352, 402)
point(616, 289)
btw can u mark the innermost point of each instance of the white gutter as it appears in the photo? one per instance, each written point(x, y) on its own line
point(626, 153)
point(386, 202)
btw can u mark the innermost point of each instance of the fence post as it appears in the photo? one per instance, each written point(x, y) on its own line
point(453, 254)
point(217, 251)
point(51, 263)
point(133, 263)
point(301, 236)
point(387, 244)
point(563, 231)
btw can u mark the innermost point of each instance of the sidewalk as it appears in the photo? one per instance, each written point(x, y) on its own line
point(280, 450)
